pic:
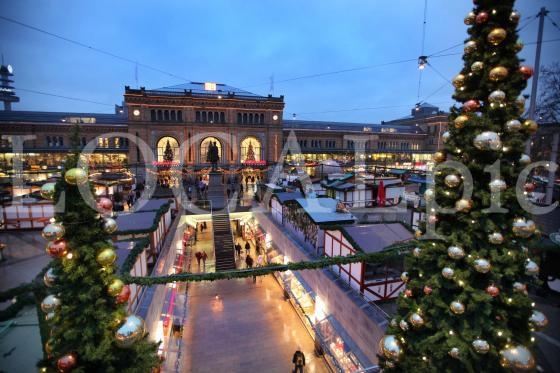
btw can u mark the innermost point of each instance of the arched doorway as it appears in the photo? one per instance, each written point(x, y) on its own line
point(168, 150)
point(250, 149)
point(204, 149)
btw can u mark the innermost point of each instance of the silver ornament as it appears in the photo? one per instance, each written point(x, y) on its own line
point(482, 265)
point(454, 353)
point(452, 180)
point(524, 160)
point(513, 125)
point(416, 320)
point(403, 325)
point(531, 268)
point(457, 307)
point(538, 320)
point(455, 252)
point(481, 346)
point(110, 225)
point(523, 228)
point(497, 97)
point(448, 273)
point(495, 238)
point(53, 231)
point(470, 46)
point(488, 140)
point(497, 185)
point(405, 277)
point(416, 252)
point(445, 136)
point(430, 194)
point(518, 358)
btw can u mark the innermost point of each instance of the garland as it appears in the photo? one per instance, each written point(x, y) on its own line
point(139, 246)
point(162, 210)
point(391, 253)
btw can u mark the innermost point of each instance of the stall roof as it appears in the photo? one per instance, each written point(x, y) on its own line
point(135, 221)
point(397, 171)
point(323, 210)
point(273, 186)
point(372, 238)
point(288, 196)
point(122, 249)
point(153, 205)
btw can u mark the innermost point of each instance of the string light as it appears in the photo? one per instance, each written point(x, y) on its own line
point(451, 332)
point(69, 256)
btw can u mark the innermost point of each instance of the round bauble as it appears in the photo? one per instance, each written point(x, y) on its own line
point(514, 16)
point(390, 347)
point(487, 140)
point(493, 290)
point(513, 125)
point(481, 17)
point(403, 325)
point(470, 46)
point(498, 73)
point(523, 228)
point(50, 316)
point(520, 103)
point(497, 185)
point(405, 277)
point(458, 81)
point(427, 290)
point(457, 307)
point(520, 288)
point(393, 323)
point(531, 268)
point(460, 121)
point(531, 126)
point(526, 72)
point(106, 257)
point(130, 331)
point(529, 187)
point(104, 204)
point(481, 346)
point(123, 296)
point(49, 278)
point(518, 45)
point(439, 157)
point(445, 137)
point(524, 160)
point(48, 190)
point(109, 225)
point(67, 362)
point(50, 304)
point(455, 252)
point(416, 252)
point(452, 180)
point(429, 194)
point(115, 287)
point(538, 320)
point(482, 265)
point(517, 357)
point(463, 205)
point(417, 233)
point(76, 176)
point(57, 248)
point(448, 273)
point(470, 18)
point(416, 320)
point(454, 353)
point(477, 66)
point(495, 238)
point(497, 96)
point(496, 36)
point(53, 231)
point(408, 293)
point(471, 105)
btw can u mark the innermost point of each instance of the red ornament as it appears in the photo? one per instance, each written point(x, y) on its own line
point(526, 71)
point(529, 187)
point(123, 295)
point(408, 293)
point(57, 249)
point(481, 18)
point(493, 291)
point(471, 105)
point(427, 290)
point(104, 204)
point(67, 362)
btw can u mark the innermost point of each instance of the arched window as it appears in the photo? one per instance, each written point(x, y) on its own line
point(159, 115)
point(173, 115)
point(262, 118)
point(250, 149)
point(244, 117)
point(179, 116)
point(197, 116)
point(153, 115)
point(49, 143)
point(204, 149)
point(204, 118)
point(163, 154)
point(222, 117)
point(250, 117)
point(239, 118)
point(166, 115)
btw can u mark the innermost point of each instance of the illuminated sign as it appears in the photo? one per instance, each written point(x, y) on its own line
point(209, 86)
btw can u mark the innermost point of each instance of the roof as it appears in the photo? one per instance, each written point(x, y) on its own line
point(135, 221)
point(323, 210)
point(59, 117)
point(348, 127)
point(198, 87)
point(122, 249)
point(152, 205)
point(288, 196)
point(372, 238)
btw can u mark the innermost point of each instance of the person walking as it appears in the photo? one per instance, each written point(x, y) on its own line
point(260, 260)
point(247, 247)
point(198, 256)
point(299, 361)
point(238, 249)
point(204, 256)
point(249, 261)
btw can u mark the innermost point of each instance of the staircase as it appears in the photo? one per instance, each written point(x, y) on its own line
point(223, 241)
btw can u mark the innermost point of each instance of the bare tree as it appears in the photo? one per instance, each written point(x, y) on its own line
point(548, 106)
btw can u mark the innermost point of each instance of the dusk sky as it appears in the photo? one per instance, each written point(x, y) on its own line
point(242, 43)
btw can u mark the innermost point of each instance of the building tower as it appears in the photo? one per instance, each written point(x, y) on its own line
point(7, 93)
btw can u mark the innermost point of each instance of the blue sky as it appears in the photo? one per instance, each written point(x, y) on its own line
point(244, 42)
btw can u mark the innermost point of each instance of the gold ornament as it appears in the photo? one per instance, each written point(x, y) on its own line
point(76, 176)
point(457, 307)
point(513, 125)
point(518, 358)
point(416, 252)
point(452, 180)
point(496, 36)
point(454, 353)
point(130, 331)
point(497, 185)
point(531, 126)
point(470, 18)
point(531, 268)
point(495, 238)
point(53, 231)
point(110, 225)
point(50, 304)
point(403, 325)
point(524, 160)
point(445, 136)
point(470, 46)
point(448, 273)
point(463, 205)
point(482, 265)
point(430, 194)
point(106, 257)
point(477, 66)
point(514, 16)
point(439, 157)
point(538, 320)
point(498, 73)
point(115, 287)
point(488, 140)
point(49, 277)
point(520, 288)
point(390, 347)
point(497, 97)
point(523, 228)
point(481, 346)
point(460, 121)
point(455, 252)
point(47, 191)
point(405, 277)
point(417, 233)
point(458, 81)
point(416, 320)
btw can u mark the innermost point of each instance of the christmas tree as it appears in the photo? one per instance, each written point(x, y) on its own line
point(168, 153)
point(466, 307)
point(90, 330)
point(250, 152)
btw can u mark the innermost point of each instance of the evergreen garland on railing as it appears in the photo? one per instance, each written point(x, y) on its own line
point(139, 246)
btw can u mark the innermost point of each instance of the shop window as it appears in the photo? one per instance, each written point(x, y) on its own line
point(165, 145)
point(250, 149)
